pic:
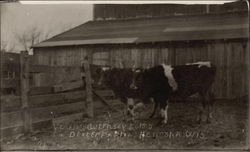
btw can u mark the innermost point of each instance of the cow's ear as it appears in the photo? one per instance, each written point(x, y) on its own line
point(105, 68)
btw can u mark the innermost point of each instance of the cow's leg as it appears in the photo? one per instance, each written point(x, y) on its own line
point(155, 107)
point(207, 102)
point(165, 113)
point(163, 100)
point(210, 103)
point(202, 108)
point(131, 108)
point(125, 111)
point(207, 108)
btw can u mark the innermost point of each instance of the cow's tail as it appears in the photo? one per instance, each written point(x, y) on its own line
point(155, 107)
point(213, 72)
point(210, 92)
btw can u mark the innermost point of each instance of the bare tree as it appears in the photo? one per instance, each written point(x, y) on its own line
point(7, 47)
point(3, 46)
point(29, 38)
point(35, 35)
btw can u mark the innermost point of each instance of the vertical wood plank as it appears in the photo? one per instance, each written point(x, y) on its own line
point(173, 56)
point(24, 77)
point(89, 99)
point(247, 79)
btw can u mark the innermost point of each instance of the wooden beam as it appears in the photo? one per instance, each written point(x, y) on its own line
point(88, 80)
point(14, 119)
point(68, 86)
point(47, 69)
point(104, 101)
point(56, 98)
point(9, 102)
point(9, 83)
point(44, 113)
point(24, 77)
point(68, 118)
point(14, 67)
point(40, 90)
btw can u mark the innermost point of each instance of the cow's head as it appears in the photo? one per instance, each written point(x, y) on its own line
point(137, 79)
point(132, 105)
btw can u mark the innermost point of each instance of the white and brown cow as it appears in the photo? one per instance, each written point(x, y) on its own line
point(164, 81)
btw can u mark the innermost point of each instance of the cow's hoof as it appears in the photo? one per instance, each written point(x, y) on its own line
point(151, 116)
point(130, 121)
point(198, 121)
point(164, 122)
point(210, 115)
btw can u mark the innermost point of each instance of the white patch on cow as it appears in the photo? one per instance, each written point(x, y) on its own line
point(168, 73)
point(131, 102)
point(164, 114)
point(105, 68)
point(201, 63)
point(137, 70)
point(139, 105)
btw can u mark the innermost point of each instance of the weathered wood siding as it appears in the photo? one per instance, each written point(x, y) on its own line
point(122, 11)
point(230, 57)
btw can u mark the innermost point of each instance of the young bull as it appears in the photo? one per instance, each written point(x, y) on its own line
point(119, 80)
point(164, 81)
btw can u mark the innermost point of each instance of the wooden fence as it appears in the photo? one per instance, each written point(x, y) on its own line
point(36, 105)
point(40, 76)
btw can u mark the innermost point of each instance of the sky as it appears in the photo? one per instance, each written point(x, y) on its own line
point(17, 19)
point(52, 18)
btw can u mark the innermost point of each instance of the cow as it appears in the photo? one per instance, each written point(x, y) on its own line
point(163, 82)
point(119, 80)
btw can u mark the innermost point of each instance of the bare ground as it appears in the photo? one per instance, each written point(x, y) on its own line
point(228, 130)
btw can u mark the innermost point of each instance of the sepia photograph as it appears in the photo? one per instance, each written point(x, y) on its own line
point(125, 75)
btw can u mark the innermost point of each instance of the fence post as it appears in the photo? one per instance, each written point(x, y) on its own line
point(88, 86)
point(24, 78)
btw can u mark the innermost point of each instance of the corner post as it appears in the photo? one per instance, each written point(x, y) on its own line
point(88, 87)
point(24, 77)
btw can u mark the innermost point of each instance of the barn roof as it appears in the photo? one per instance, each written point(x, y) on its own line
point(144, 30)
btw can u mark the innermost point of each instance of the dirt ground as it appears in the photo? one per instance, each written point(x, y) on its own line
point(228, 130)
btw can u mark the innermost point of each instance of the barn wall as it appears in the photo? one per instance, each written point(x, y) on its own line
point(230, 58)
point(59, 56)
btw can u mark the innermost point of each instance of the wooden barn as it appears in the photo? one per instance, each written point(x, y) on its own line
point(221, 38)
